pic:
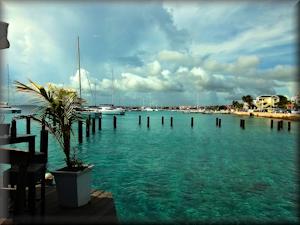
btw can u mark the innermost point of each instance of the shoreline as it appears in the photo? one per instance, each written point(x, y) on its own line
point(283, 116)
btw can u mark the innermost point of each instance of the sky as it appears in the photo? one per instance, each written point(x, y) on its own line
point(155, 52)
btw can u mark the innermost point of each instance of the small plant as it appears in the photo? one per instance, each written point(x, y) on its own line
point(57, 111)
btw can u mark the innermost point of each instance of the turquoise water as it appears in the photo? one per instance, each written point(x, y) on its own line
point(199, 174)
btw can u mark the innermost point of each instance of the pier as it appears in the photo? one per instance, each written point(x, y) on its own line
point(100, 210)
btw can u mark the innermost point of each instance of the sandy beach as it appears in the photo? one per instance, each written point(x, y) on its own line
point(284, 116)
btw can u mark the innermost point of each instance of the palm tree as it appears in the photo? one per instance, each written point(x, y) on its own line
point(58, 106)
point(248, 99)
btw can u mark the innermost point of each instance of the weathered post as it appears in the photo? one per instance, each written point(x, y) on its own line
point(271, 124)
point(115, 122)
point(80, 131)
point(100, 123)
point(44, 141)
point(289, 125)
point(93, 125)
point(278, 125)
point(219, 122)
point(281, 124)
point(192, 122)
point(13, 129)
point(140, 119)
point(241, 123)
point(162, 120)
point(87, 127)
point(27, 125)
point(171, 122)
point(148, 121)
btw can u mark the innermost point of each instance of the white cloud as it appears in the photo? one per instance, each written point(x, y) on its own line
point(182, 69)
point(251, 40)
point(166, 55)
point(135, 83)
point(153, 68)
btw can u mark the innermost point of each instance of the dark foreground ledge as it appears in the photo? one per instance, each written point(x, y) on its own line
point(100, 210)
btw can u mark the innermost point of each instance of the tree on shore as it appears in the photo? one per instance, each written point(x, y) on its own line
point(283, 102)
point(237, 105)
point(249, 100)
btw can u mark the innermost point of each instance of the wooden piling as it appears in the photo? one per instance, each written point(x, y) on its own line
point(162, 120)
point(115, 122)
point(148, 121)
point(100, 123)
point(219, 122)
point(281, 124)
point(87, 127)
point(27, 125)
point(140, 119)
point(289, 125)
point(80, 131)
point(192, 122)
point(278, 125)
point(13, 129)
point(241, 123)
point(93, 125)
point(271, 124)
point(44, 142)
point(171, 121)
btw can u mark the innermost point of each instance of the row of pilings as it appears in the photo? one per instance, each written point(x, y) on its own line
point(90, 124)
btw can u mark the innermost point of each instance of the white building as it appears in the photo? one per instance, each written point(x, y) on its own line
point(266, 101)
point(296, 99)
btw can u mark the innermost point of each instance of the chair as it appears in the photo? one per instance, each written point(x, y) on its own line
point(27, 170)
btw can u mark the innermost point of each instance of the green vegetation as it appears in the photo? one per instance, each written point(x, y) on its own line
point(237, 105)
point(283, 102)
point(249, 100)
point(58, 106)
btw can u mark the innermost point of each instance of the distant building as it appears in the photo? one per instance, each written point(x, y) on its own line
point(266, 101)
point(296, 99)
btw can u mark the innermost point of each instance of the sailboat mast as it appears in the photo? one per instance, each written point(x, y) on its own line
point(95, 96)
point(112, 86)
point(7, 84)
point(79, 66)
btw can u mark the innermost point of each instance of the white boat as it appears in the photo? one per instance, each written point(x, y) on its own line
point(109, 110)
point(5, 108)
point(148, 109)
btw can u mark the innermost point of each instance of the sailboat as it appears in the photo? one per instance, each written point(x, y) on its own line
point(110, 109)
point(85, 111)
point(4, 106)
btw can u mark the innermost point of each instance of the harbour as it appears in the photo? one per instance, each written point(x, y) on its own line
point(213, 171)
point(149, 113)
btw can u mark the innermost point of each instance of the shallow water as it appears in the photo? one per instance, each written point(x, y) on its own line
point(204, 173)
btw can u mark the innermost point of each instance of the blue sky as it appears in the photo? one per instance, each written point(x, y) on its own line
point(161, 52)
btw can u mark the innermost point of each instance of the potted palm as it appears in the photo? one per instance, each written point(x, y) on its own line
point(58, 112)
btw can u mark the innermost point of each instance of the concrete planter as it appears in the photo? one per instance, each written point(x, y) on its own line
point(73, 188)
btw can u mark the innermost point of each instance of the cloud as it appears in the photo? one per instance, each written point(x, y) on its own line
point(134, 83)
point(153, 68)
point(172, 56)
point(170, 49)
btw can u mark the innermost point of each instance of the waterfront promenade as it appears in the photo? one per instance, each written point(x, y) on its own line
point(285, 116)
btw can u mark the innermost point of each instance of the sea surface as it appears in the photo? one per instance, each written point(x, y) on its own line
point(183, 174)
